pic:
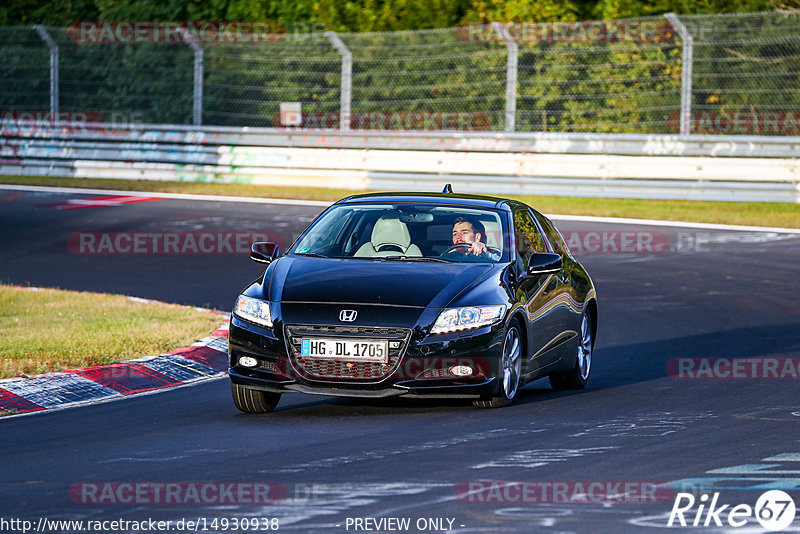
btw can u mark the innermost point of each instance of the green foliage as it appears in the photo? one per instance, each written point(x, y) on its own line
point(523, 11)
point(388, 15)
point(746, 64)
point(24, 71)
point(364, 15)
point(47, 12)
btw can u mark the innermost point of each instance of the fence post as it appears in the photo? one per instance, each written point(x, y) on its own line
point(511, 76)
point(53, 69)
point(197, 98)
point(347, 79)
point(686, 72)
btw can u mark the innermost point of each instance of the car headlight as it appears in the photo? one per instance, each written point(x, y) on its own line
point(253, 310)
point(455, 319)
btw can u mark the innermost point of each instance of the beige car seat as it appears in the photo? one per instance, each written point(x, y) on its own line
point(492, 234)
point(390, 237)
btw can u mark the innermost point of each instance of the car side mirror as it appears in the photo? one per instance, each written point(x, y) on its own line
point(544, 263)
point(264, 252)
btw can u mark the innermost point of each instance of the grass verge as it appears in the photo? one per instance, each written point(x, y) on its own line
point(745, 213)
point(49, 330)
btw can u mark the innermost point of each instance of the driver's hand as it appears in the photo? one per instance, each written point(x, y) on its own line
point(477, 248)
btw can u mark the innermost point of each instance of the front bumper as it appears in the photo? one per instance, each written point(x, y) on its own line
point(459, 390)
point(422, 368)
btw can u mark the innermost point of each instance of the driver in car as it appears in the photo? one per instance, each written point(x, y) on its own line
point(470, 234)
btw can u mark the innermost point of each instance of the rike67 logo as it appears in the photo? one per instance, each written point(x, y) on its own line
point(774, 510)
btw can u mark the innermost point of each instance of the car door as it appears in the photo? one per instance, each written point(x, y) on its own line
point(535, 292)
point(567, 310)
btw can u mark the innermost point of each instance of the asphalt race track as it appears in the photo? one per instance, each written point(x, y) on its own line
point(649, 416)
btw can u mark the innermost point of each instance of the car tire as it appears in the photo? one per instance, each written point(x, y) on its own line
point(510, 371)
point(579, 375)
point(250, 400)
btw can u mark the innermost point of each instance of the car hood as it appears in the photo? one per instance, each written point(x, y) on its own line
point(387, 282)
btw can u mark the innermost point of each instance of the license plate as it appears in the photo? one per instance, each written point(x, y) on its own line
point(346, 349)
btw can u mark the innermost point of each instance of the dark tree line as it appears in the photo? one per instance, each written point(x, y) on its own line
point(363, 15)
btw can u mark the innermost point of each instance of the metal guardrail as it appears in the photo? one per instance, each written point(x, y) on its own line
point(600, 165)
point(552, 142)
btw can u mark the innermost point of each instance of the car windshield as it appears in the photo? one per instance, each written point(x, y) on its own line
point(405, 231)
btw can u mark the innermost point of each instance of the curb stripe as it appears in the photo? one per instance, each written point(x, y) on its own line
point(209, 357)
point(13, 403)
point(75, 387)
point(57, 389)
point(180, 368)
point(126, 378)
point(206, 359)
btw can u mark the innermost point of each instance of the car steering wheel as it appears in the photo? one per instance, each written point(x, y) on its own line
point(466, 247)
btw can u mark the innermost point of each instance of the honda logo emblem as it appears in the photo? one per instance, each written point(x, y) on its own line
point(347, 316)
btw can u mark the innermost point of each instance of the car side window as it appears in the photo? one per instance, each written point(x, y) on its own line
point(528, 238)
point(553, 235)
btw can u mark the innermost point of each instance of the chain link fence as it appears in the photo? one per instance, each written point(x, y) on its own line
point(674, 74)
point(746, 73)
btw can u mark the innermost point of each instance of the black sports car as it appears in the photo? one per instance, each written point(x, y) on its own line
point(440, 295)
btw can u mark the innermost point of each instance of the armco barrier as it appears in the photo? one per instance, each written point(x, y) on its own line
point(708, 167)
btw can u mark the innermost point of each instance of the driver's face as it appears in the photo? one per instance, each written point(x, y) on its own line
point(463, 233)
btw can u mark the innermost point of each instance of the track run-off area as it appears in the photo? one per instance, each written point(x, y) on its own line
point(695, 390)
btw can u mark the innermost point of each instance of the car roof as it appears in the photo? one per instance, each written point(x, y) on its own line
point(421, 198)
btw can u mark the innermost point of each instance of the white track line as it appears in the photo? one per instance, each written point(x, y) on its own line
point(319, 203)
point(676, 224)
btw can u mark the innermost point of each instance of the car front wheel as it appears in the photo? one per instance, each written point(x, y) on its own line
point(250, 400)
point(510, 370)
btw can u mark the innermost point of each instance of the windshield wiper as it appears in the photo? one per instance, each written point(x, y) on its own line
point(414, 258)
point(312, 254)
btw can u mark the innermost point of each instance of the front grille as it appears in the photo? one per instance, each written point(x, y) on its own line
point(267, 366)
point(327, 369)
